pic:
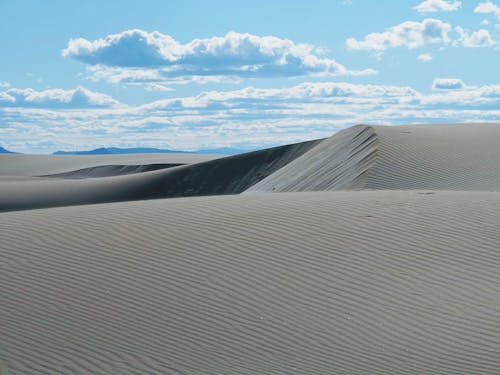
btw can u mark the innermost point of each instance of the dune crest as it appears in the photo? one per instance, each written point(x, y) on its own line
point(432, 157)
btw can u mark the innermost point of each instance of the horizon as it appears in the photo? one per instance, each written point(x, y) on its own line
point(192, 75)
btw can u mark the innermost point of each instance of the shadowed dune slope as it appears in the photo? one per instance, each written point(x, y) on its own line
point(304, 283)
point(228, 175)
point(42, 165)
point(434, 157)
point(111, 170)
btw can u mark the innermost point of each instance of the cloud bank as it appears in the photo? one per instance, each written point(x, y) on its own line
point(140, 56)
point(56, 98)
point(245, 118)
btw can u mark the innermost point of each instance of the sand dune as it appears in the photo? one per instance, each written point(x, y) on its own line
point(40, 165)
point(111, 170)
point(446, 157)
point(433, 157)
point(398, 274)
point(302, 283)
point(228, 175)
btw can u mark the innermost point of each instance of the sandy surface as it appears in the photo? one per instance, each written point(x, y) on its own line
point(302, 283)
point(40, 165)
point(227, 175)
point(397, 274)
point(436, 157)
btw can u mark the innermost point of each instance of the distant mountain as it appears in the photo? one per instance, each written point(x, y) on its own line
point(116, 151)
point(4, 151)
point(147, 150)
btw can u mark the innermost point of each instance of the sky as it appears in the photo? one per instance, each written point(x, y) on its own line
point(189, 75)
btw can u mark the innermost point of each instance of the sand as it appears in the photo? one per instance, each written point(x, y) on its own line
point(435, 157)
point(397, 274)
point(325, 282)
point(227, 175)
point(39, 165)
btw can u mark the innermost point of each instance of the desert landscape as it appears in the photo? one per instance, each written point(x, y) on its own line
point(373, 251)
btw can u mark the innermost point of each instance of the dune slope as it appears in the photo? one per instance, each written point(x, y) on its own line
point(42, 165)
point(302, 283)
point(228, 175)
point(111, 170)
point(436, 157)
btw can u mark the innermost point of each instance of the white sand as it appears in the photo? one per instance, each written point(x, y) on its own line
point(436, 157)
point(398, 275)
point(227, 175)
point(39, 165)
point(302, 283)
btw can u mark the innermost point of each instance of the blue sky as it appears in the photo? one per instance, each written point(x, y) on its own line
point(198, 74)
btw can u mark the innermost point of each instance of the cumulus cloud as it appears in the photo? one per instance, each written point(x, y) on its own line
point(425, 57)
point(4, 85)
point(5, 98)
point(56, 98)
point(408, 34)
point(476, 39)
point(448, 84)
point(152, 56)
point(429, 6)
point(248, 117)
point(488, 7)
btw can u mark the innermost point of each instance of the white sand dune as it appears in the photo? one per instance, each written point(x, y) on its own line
point(399, 274)
point(302, 283)
point(228, 175)
point(436, 157)
point(40, 165)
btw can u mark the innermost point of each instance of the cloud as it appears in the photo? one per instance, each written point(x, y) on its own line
point(56, 98)
point(488, 7)
point(248, 117)
point(425, 57)
point(408, 34)
point(158, 87)
point(5, 98)
point(429, 6)
point(152, 56)
point(4, 85)
point(448, 84)
point(476, 39)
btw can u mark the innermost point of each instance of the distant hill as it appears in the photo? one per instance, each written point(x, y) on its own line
point(147, 150)
point(4, 151)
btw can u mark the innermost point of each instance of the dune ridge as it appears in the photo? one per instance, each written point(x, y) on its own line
point(40, 165)
point(227, 175)
point(110, 170)
point(433, 157)
point(309, 282)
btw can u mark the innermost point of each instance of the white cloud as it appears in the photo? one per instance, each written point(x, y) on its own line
point(153, 56)
point(246, 117)
point(448, 84)
point(4, 85)
point(484, 22)
point(158, 87)
point(408, 34)
point(56, 98)
point(429, 6)
point(476, 39)
point(488, 7)
point(5, 98)
point(425, 57)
